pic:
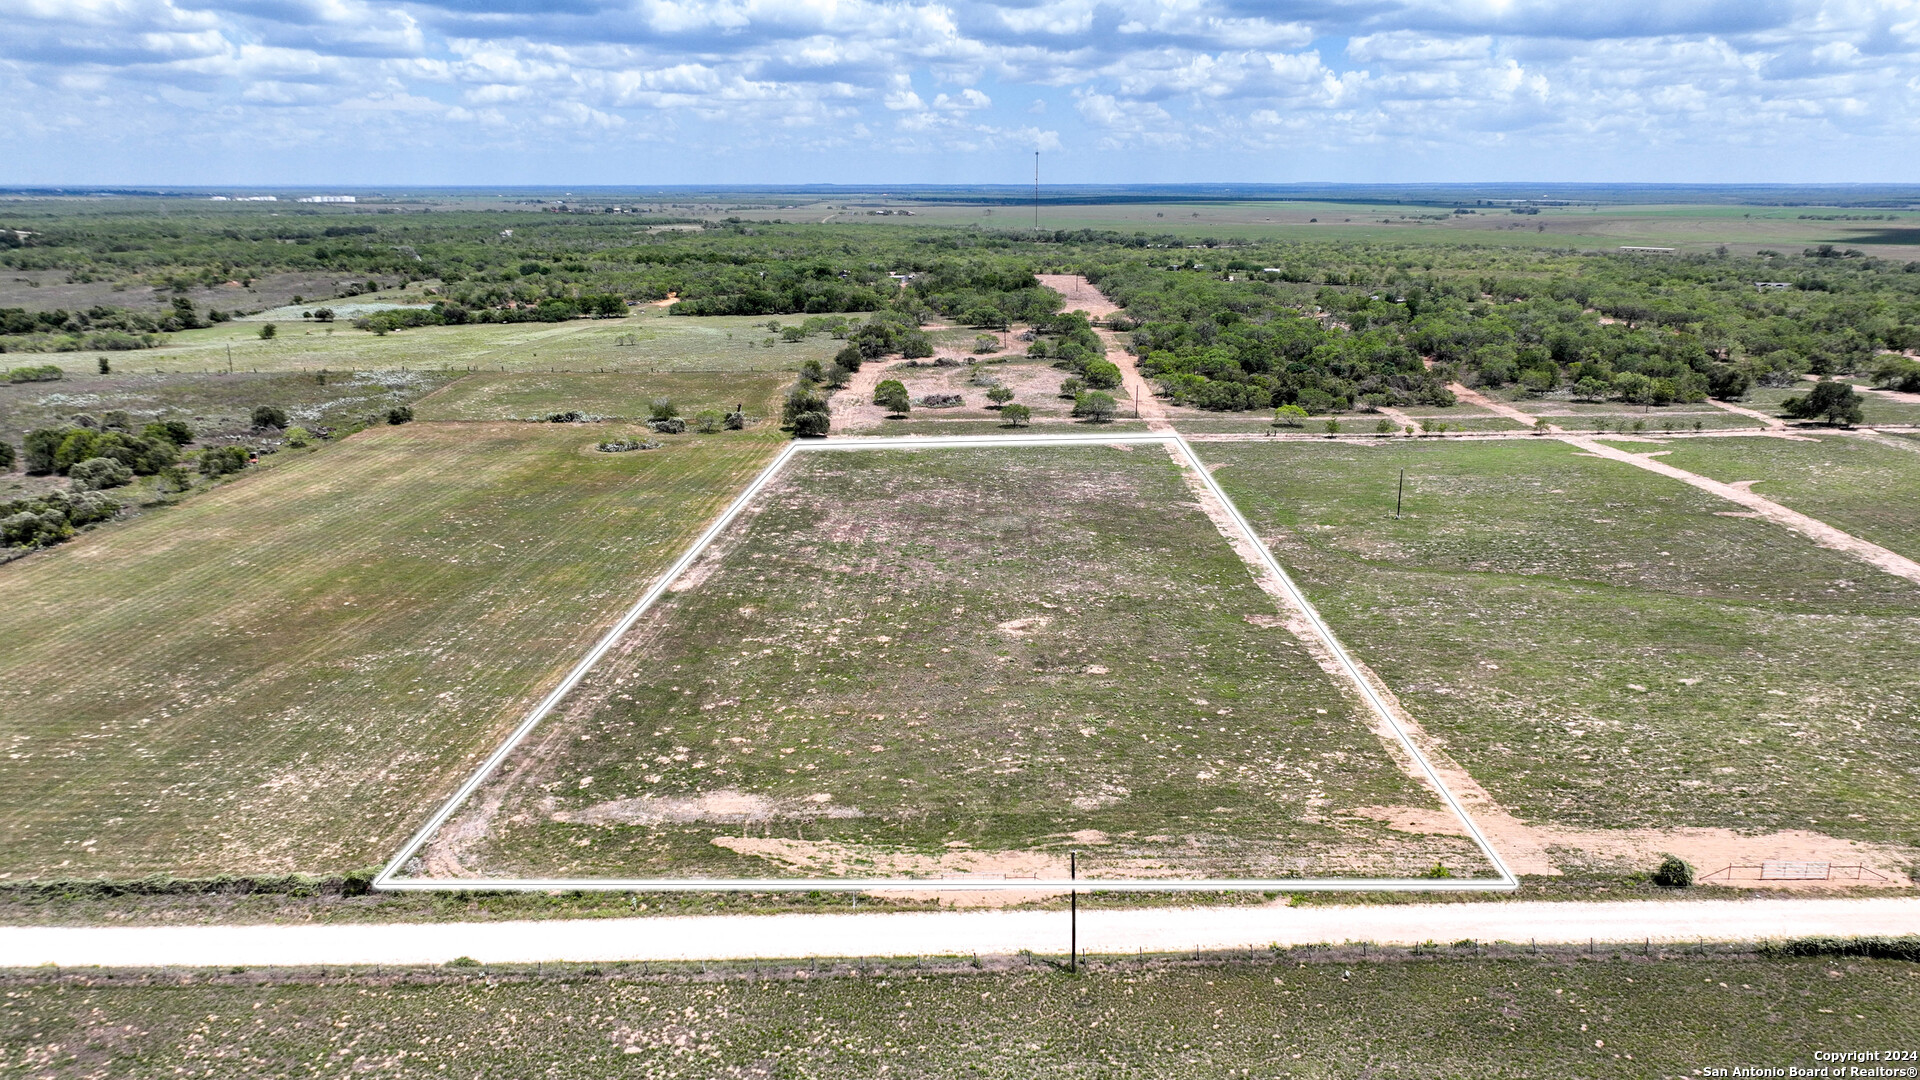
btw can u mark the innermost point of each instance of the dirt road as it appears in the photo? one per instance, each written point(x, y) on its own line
point(948, 933)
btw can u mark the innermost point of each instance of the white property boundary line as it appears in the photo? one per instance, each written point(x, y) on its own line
point(387, 879)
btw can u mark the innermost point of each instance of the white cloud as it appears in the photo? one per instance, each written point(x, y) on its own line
point(1807, 87)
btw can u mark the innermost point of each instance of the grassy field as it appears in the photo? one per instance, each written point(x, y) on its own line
point(648, 340)
point(1866, 488)
point(1600, 647)
point(1287, 1017)
point(215, 405)
point(626, 396)
point(914, 663)
point(284, 673)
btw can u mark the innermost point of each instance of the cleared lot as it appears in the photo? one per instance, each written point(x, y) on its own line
point(955, 662)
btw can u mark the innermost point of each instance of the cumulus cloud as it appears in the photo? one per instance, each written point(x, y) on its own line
point(931, 89)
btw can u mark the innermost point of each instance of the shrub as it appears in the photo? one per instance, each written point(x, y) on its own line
point(1071, 386)
point(269, 416)
point(986, 343)
point(662, 409)
point(1386, 426)
point(6, 456)
point(708, 421)
point(811, 424)
point(400, 414)
point(117, 419)
point(48, 519)
point(891, 395)
point(1333, 426)
point(1673, 873)
point(736, 420)
point(621, 446)
point(39, 373)
point(106, 366)
point(223, 460)
point(267, 332)
point(1096, 405)
point(97, 474)
point(916, 344)
point(1289, 416)
point(1102, 374)
point(835, 377)
point(298, 436)
point(60, 449)
point(1015, 415)
point(672, 425)
point(1897, 373)
point(849, 357)
point(943, 401)
point(1000, 395)
point(803, 398)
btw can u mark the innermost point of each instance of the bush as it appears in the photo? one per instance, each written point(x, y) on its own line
point(48, 519)
point(1071, 386)
point(400, 414)
point(916, 344)
point(811, 424)
point(1877, 947)
point(118, 419)
point(943, 401)
point(1000, 395)
point(40, 373)
point(267, 332)
point(986, 343)
point(223, 460)
point(803, 398)
point(708, 421)
point(1102, 374)
point(662, 409)
point(849, 357)
point(1095, 405)
point(298, 436)
point(891, 395)
point(98, 474)
point(6, 456)
point(1673, 873)
point(1015, 415)
point(106, 366)
point(736, 420)
point(56, 450)
point(1897, 373)
point(269, 416)
point(672, 425)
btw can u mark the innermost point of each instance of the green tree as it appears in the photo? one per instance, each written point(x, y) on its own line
point(804, 398)
point(849, 357)
point(222, 460)
point(1015, 415)
point(1102, 374)
point(97, 474)
point(1095, 405)
point(269, 416)
point(1000, 395)
point(1673, 873)
point(6, 456)
point(661, 408)
point(1289, 416)
point(891, 395)
point(1834, 402)
point(298, 436)
point(708, 421)
point(267, 332)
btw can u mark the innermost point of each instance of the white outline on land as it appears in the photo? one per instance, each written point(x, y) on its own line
point(388, 878)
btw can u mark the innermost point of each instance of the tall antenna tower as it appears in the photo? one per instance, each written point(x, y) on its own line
point(1036, 191)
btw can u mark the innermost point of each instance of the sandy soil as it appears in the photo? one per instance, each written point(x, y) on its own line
point(1079, 294)
point(1475, 397)
point(952, 933)
point(1742, 410)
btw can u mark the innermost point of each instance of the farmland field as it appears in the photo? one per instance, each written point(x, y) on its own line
point(1607, 650)
point(952, 662)
point(283, 673)
point(1331, 1017)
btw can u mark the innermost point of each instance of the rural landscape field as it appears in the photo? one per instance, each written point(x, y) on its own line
point(440, 559)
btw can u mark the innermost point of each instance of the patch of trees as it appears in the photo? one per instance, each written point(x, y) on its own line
point(45, 520)
point(59, 450)
point(1834, 402)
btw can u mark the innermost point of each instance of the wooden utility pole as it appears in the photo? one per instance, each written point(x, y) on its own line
point(1398, 495)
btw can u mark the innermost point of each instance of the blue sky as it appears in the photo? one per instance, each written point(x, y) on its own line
point(369, 92)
